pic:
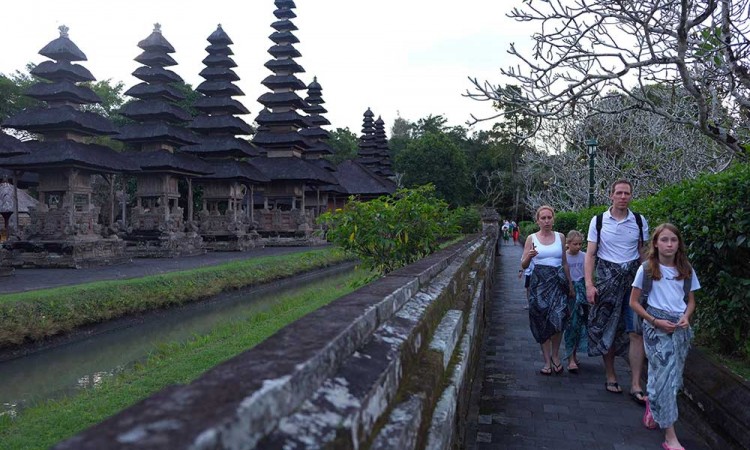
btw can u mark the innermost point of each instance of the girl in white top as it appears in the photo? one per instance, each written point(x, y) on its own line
point(549, 288)
point(666, 326)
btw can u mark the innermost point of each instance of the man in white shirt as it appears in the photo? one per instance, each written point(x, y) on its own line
point(617, 243)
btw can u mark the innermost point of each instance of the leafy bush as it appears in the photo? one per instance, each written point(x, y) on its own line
point(391, 231)
point(566, 221)
point(466, 219)
point(527, 227)
point(713, 214)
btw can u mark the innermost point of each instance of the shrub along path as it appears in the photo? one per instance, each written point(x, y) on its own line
point(31, 279)
point(517, 407)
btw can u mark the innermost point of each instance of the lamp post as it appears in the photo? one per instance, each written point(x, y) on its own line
point(592, 145)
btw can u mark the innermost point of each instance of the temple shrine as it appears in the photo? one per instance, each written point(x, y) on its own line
point(65, 229)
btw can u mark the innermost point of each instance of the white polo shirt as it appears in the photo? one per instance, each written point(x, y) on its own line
point(619, 239)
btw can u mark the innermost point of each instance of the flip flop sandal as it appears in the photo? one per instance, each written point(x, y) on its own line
point(638, 397)
point(546, 371)
point(666, 446)
point(613, 384)
point(558, 368)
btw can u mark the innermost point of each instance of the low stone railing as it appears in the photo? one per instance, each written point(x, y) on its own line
point(388, 366)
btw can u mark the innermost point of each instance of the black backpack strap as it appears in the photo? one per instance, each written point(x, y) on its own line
point(639, 222)
point(647, 280)
point(599, 221)
point(687, 283)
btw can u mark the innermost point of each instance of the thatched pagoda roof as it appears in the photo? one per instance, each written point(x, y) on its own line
point(145, 133)
point(153, 109)
point(222, 147)
point(357, 179)
point(266, 117)
point(219, 73)
point(159, 91)
point(282, 82)
point(62, 70)
point(62, 48)
point(220, 124)
point(62, 91)
point(50, 155)
point(156, 41)
point(61, 118)
point(10, 146)
point(284, 25)
point(219, 36)
point(235, 171)
point(276, 99)
point(156, 75)
point(293, 169)
point(281, 37)
point(227, 105)
point(163, 161)
point(283, 65)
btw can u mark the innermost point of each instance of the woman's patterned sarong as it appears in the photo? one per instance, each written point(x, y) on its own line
point(666, 355)
point(576, 336)
point(606, 324)
point(548, 307)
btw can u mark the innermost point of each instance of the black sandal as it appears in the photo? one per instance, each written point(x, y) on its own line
point(558, 368)
point(638, 397)
point(545, 371)
point(613, 384)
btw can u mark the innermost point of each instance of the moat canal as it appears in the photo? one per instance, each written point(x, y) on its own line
point(62, 370)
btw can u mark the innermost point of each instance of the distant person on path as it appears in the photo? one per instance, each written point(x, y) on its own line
point(515, 232)
point(549, 288)
point(667, 282)
point(615, 239)
point(506, 230)
point(576, 335)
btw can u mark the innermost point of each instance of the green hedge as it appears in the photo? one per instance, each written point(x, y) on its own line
point(713, 213)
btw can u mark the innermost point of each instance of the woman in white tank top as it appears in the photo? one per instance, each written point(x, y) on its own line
point(549, 288)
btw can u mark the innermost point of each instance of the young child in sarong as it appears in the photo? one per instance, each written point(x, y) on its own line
point(576, 335)
point(666, 317)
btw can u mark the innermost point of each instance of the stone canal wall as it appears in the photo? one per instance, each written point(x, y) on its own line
point(388, 366)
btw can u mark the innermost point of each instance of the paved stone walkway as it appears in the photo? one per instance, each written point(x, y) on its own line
point(517, 408)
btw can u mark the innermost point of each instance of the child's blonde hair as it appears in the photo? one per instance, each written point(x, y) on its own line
point(573, 234)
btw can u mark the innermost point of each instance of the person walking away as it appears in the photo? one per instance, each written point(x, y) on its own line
point(515, 231)
point(576, 334)
point(615, 239)
point(549, 288)
point(664, 284)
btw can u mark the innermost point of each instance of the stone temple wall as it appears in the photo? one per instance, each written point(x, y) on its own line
point(387, 366)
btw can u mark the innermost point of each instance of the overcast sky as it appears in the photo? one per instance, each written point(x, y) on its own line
point(407, 57)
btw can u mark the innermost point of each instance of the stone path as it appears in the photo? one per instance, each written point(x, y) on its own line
point(515, 407)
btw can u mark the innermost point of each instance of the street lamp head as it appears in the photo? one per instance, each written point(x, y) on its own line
point(592, 145)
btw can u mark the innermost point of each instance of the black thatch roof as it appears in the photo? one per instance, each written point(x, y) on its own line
point(10, 146)
point(62, 91)
point(219, 88)
point(317, 120)
point(222, 147)
point(220, 124)
point(220, 104)
point(62, 70)
point(51, 155)
point(164, 161)
point(280, 37)
point(156, 75)
point(282, 82)
point(292, 118)
point(219, 36)
point(284, 25)
point(155, 59)
point(276, 99)
point(154, 110)
point(319, 148)
point(60, 118)
point(156, 42)
point(284, 50)
point(219, 73)
point(283, 65)
point(214, 60)
point(284, 14)
point(293, 169)
point(274, 140)
point(62, 48)
point(357, 179)
point(323, 164)
point(219, 49)
point(146, 133)
point(155, 91)
point(284, 4)
point(231, 170)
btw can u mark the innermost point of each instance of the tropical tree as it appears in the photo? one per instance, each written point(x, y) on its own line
point(344, 144)
point(435, 158)
point(589, 51)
